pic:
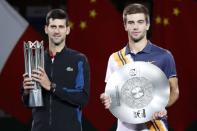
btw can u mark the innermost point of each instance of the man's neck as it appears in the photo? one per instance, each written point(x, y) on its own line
point(54, 49)
point(136, 47)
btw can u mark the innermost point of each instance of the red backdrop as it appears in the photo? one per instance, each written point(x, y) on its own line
point(97, 31)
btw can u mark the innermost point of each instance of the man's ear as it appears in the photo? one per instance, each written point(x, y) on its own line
point(147, 26)
point(67, 30)
point(45, 29)
point(125, 27)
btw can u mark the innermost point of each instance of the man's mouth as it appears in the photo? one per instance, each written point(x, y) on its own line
point(136, 33)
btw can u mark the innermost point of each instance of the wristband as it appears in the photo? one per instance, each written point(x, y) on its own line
point(53, 86)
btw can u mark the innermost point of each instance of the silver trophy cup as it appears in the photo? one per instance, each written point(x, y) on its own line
point(34, 58)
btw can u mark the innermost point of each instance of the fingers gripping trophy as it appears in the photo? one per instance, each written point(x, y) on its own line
point(34, 58)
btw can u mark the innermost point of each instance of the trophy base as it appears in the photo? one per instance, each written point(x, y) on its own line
point(35, 98)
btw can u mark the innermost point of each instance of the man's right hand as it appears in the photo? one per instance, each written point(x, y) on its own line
point(106, 100)
point(27, 82)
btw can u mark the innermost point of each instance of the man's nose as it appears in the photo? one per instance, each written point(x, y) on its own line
point(56, 30)
point(136, 26)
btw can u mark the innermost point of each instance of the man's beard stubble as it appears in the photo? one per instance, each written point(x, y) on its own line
point(57, 43)
point(138, 39)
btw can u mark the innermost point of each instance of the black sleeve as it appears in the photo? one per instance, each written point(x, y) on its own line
point(78, 96)
point(24, 96)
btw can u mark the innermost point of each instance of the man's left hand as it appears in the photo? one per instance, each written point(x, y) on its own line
point(41, 77)
point(159, 115)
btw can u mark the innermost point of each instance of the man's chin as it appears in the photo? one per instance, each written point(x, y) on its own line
point(57, 44)
point(136, 40)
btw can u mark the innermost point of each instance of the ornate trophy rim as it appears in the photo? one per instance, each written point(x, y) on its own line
point(137, 90)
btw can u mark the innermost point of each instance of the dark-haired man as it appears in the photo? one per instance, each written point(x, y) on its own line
point(64, 80)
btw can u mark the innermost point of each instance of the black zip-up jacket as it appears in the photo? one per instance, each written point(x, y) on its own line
point(62, 108)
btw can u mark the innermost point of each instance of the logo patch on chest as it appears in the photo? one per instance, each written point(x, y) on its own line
point(69, 69)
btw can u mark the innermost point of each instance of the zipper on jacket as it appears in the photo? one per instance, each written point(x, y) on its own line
point(50, 98)
point(50, 110)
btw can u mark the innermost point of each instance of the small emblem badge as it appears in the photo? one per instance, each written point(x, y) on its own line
point(69, 69)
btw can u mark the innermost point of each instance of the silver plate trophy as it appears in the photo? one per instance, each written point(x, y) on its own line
point(137, 91)
point(34, 57)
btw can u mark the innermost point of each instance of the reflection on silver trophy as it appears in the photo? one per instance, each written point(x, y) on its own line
point(34, 58)
point(137, 91)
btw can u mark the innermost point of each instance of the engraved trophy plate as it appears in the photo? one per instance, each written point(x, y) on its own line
point(137, 91)
point(34, 57)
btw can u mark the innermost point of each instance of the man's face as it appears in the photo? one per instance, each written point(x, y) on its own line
point(57, 31)
point(136, 26)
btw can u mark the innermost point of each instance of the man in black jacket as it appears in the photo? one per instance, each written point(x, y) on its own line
point(64, 80)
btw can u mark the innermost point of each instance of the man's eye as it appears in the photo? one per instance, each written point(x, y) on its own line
point(61, 27)
point(130, 22)
point(141, 21)
point(53, 27)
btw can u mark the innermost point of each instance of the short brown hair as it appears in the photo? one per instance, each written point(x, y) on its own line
point(134, 9)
